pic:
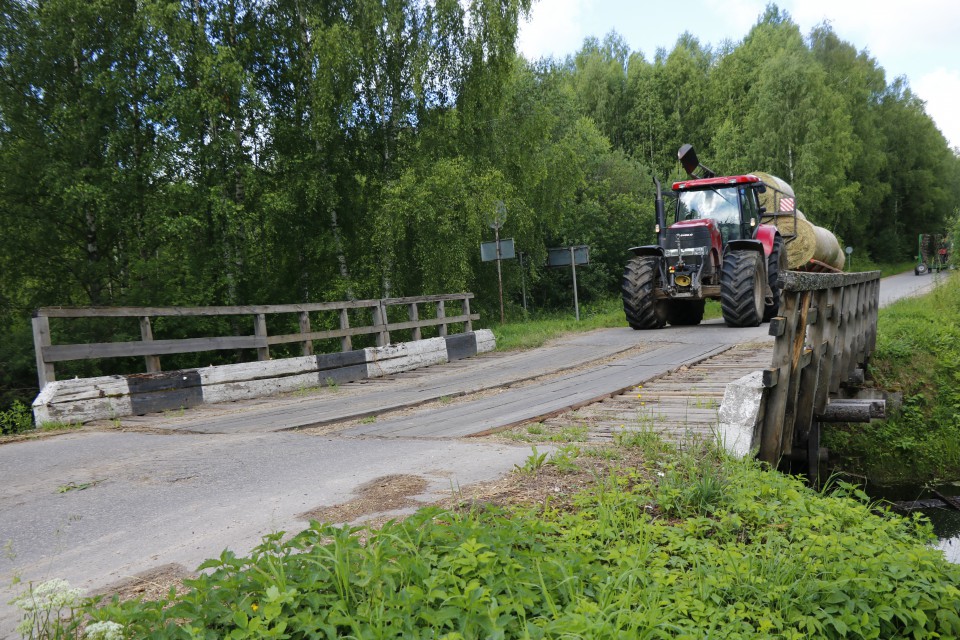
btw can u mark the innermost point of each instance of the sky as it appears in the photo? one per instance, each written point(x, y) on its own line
point(919, 39)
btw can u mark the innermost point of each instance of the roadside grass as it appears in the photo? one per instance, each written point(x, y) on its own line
point(862, 263)
point(917, 355)
point(691, 544)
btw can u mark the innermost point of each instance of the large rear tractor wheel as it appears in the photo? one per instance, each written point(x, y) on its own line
point(686, 312)
point(638, 288)
point(776, 264)
point(741, 288)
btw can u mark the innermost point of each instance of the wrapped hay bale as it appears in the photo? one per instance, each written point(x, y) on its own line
point(771, 199)
point(805, 240)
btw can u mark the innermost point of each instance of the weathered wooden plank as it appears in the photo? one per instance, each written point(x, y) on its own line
point(345, 342)
point(260, 331)
point(414, 316)
point(432, 298)
point(41, 340)
point(431, 322)
point(801, 281)
point(441, 314)
point(62, 353)
point(248, 310)
point(306, 348)
point(777, 397)
point(324, 335)
point(146, 335)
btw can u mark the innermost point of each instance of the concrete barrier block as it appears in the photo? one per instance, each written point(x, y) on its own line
point(107, 397)
point(396, 358)
point(486, 341)
point(83, 400)
point(739, 415)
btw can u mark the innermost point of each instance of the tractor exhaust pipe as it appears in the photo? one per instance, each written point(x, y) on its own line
point(661, 216)
point(690, 163)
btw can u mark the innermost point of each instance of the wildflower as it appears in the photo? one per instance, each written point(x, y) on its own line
point(660, 474)
point(105, 630)
point(643, 404)
point(44, 603)
point(254, 606)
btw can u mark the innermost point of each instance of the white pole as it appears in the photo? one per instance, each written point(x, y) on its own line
point(573, 266)
point(496, 232)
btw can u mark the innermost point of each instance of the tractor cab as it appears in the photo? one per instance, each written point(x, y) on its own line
point(729, 202)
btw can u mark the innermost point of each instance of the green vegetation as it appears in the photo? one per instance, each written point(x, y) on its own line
point(213, 152)
point(17, 419)
point(698, 547)
point(918, 355)
point(538, 433)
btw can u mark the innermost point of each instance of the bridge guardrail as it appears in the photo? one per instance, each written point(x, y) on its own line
point(825, 334)
point(47, 354)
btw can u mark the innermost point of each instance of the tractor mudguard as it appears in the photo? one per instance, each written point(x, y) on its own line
point(647, 250)
point(767, 234)
point(753, 245)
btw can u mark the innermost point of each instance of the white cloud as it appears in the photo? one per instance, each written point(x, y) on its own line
point(555, 28)
point(890, 29)
point(940, 89)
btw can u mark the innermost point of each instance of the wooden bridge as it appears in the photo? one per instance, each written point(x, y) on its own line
point(810, 376)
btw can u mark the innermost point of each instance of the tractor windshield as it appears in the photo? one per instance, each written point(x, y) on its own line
point(719, 205)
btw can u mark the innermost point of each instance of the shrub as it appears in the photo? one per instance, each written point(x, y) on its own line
point(17, 419)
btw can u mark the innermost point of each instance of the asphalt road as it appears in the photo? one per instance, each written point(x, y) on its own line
point(96, 507)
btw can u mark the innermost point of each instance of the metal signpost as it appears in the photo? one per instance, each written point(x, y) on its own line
point(849, 252)
point(563, 256)
point(495, 222)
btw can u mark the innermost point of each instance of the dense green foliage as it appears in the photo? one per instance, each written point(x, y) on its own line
point(707, 548)
point(169, 152)
point(918, 355)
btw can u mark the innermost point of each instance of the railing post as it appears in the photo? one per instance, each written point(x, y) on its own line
point(41, 339)
point(345, 343)
point(306, 346)
point(260, 331)
point(468, 324)
point(146, 335)
point(415, 317)
point(380, 320)
point(441, 313)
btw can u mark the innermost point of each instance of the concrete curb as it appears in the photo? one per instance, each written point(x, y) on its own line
point(107, 397)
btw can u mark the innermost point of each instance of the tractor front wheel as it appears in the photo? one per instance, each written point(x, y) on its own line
point(741, 288)
point(638, 290)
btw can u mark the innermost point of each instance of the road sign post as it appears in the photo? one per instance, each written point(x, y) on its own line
point(495, 222)
point(561, 257)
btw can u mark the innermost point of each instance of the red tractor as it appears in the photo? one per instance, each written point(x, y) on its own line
point(716, 248)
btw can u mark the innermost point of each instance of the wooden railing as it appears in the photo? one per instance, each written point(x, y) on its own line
point(826, 332)
point(48, 354)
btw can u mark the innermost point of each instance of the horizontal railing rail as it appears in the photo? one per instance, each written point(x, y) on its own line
point(825, 335)
point(47, 353)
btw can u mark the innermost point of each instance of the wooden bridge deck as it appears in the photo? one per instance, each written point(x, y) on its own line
point(680, 406)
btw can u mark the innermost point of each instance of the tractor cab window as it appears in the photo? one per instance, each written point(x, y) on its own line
point(719, 205)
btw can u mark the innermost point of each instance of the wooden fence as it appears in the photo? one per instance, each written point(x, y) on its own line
point(48, 354)
point(826, 332)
